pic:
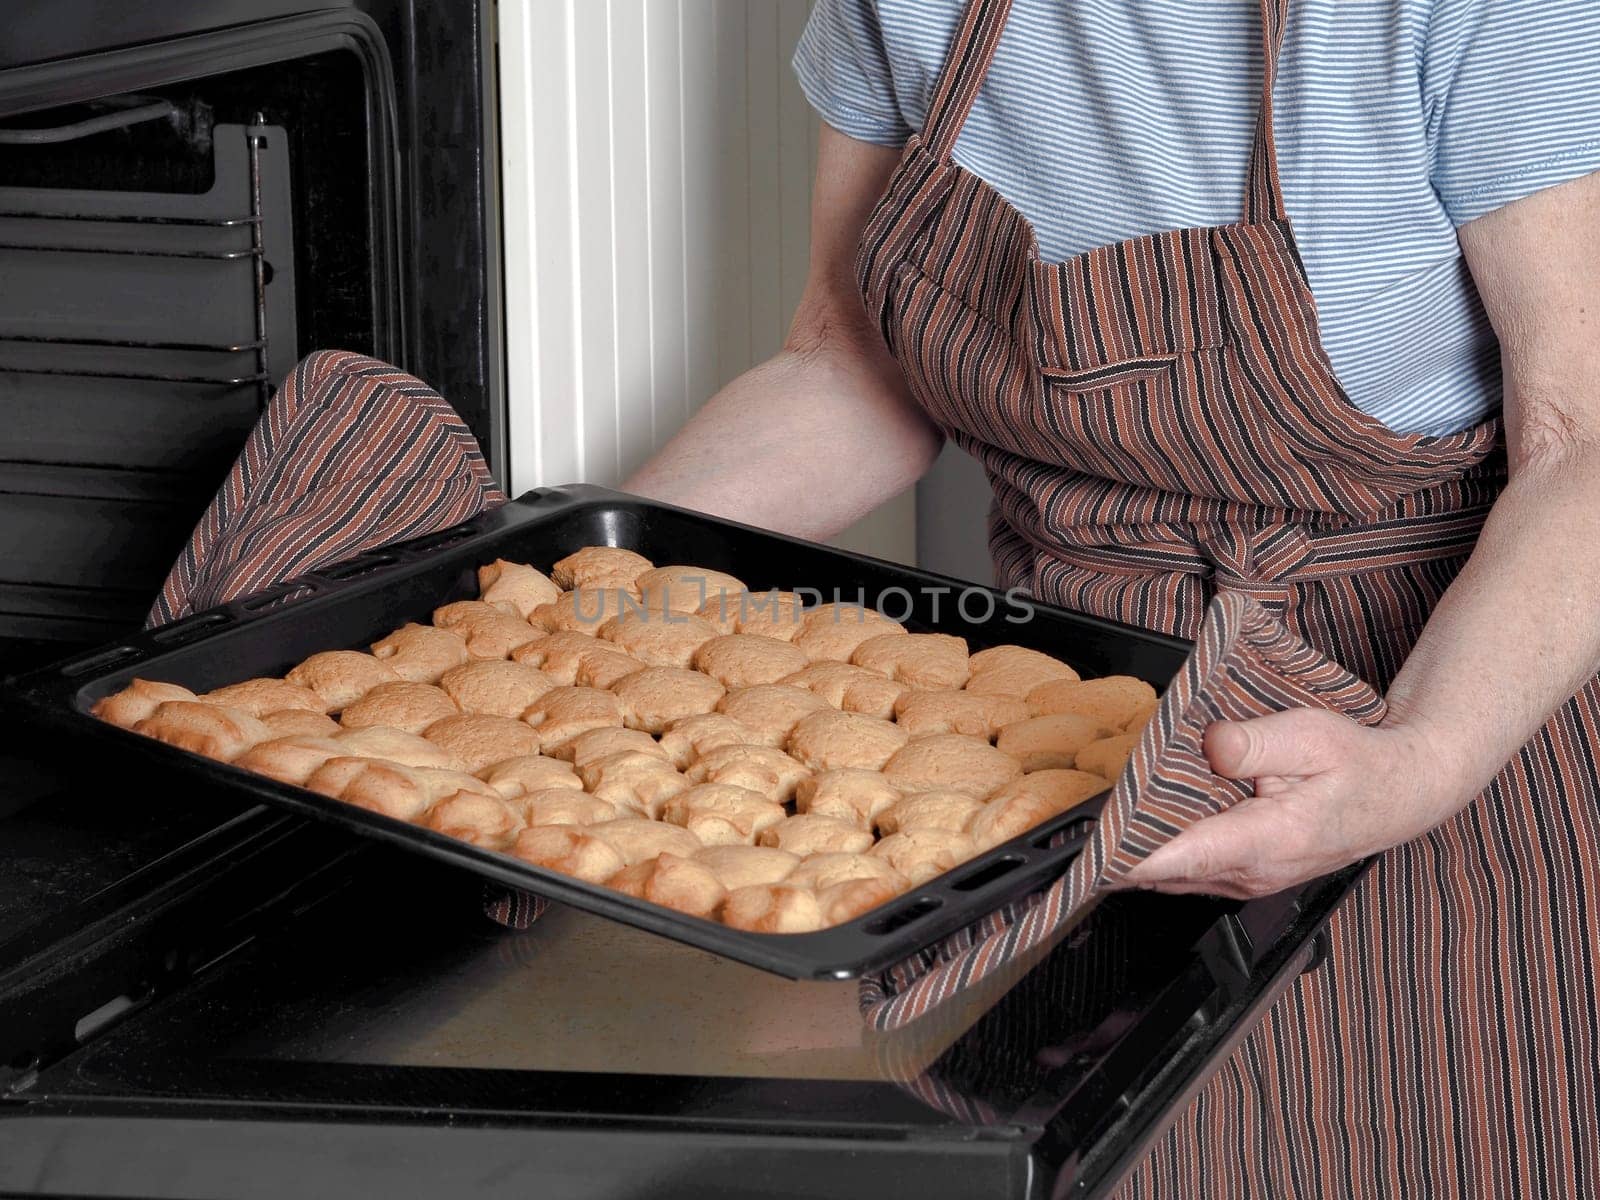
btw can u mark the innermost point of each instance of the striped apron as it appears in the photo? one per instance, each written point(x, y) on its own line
point(1162, 427)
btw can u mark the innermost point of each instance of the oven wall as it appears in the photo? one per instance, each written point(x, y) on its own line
point(656, 162)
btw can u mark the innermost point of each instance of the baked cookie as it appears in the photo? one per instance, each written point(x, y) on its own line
point(832, 632)
point(929, 810)
point(584, 610)
point(563, 713)
point(771, 908)
point(261, 696)
point(639, 838)
point(595, 744)
point(951, 762)
point(560, 655)
point(949, 711)
point(822, 871)
point(605, 668)
point(1113, 700)
point(495, 687)
point(684, 588)
point(600, 567)
point(515, 588)
point(485, 821)
point(479, 741)
point(396, 745)
point(421, 653)
point(563, 806)
point(747, 866)
point(851, 688)
point(290, 759)
point(770, 614)
point(672, 881)
point(1040, 743)
point(722, 610)
point(400, 705)
point(922, 854)
point(655, 697)
point(1141, 716)
point(1028, 801)
point(827, 741)
point(211, 730)
point(387, 788)
point(720, 814)
point(659, 639)
point(770, 710)
point(490, 633)
point(289, 722)
point(137, 701)
point(1013, 671)
point(442, 783)
point(687, 738)
point(642, 782)
point(1107, 757)
point(531, 773)
point(808, 834)
point(763, 769)
point(850, 794)
point(341, 677)
point(567, 850)
point(742, 660)
point(852, 898)
point(923, 660)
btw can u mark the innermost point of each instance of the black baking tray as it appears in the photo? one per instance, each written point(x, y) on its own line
point(359, 601)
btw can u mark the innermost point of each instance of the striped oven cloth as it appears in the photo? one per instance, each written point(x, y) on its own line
point(1246, 663)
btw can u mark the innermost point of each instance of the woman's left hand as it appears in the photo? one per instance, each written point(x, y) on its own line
point(1329, 792)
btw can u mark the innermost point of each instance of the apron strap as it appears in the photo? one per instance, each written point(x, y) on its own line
point(963, 74)
point(1263, 189)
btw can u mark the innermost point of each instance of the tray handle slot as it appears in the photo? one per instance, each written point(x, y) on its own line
point(357, 567)
point(987, 873)
point(182, 632)
point(106, 660)
point(902, 917)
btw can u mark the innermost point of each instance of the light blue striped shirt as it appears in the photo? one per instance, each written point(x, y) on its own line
point(1397, 121)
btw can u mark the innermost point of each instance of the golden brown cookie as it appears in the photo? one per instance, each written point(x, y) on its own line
point(1013, 671)
point(922, 854)
point(770, 614)
point(929, 810)
point(642, 782)
point(655, 697)
point(479, 741)
point(672, 881)
point(485, 821)
point(949, 711)
point(764, 769)
point(584, 610)
point(1113, 700)
point(771, 710)
point(951, 762)
point(687, 738)
point(568, 850)
point(600, 567)
point(396, 745)
point(822, 871)
point(137, 701)
point(595, 744)
point(923, 660)
point(605, 668)
point(400, 705)
point(563, 713)
point(659, 639)
point(747, 866)
point(290, 759)
point(382, 787)
point(640, 838)
point(851, 688)
point(720, 814)
point(1141, 716)
point(515, 588)
point(722, 610)
point(531, 773)
point(1107, 757)
point(852, 898)
point(685, 588)
point(341, 677)
point(261, 696)
point(849, 794)
point(563, 806)
point(827, 741)
point(1053, 740)
point(495, 634)
point(1026, 802)
point(421, 653)
point(560, 655)
point(831, 632)
point(808, 834)
point(211, 730)
point(297, 721)
point(763, 908)
point(495, 686)
point(742, 660)
point(442, 783)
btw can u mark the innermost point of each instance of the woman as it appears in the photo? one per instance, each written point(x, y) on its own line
point(1403, 468)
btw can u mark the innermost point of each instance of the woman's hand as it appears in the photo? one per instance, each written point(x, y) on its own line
point(1329, 792)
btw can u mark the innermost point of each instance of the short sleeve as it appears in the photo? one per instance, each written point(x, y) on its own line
point(843, 70)
point(1512, 93)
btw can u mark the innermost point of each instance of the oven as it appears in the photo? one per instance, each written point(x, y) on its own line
point(204, 997)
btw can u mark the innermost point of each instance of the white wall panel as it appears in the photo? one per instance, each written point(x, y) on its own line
point(657, 165)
